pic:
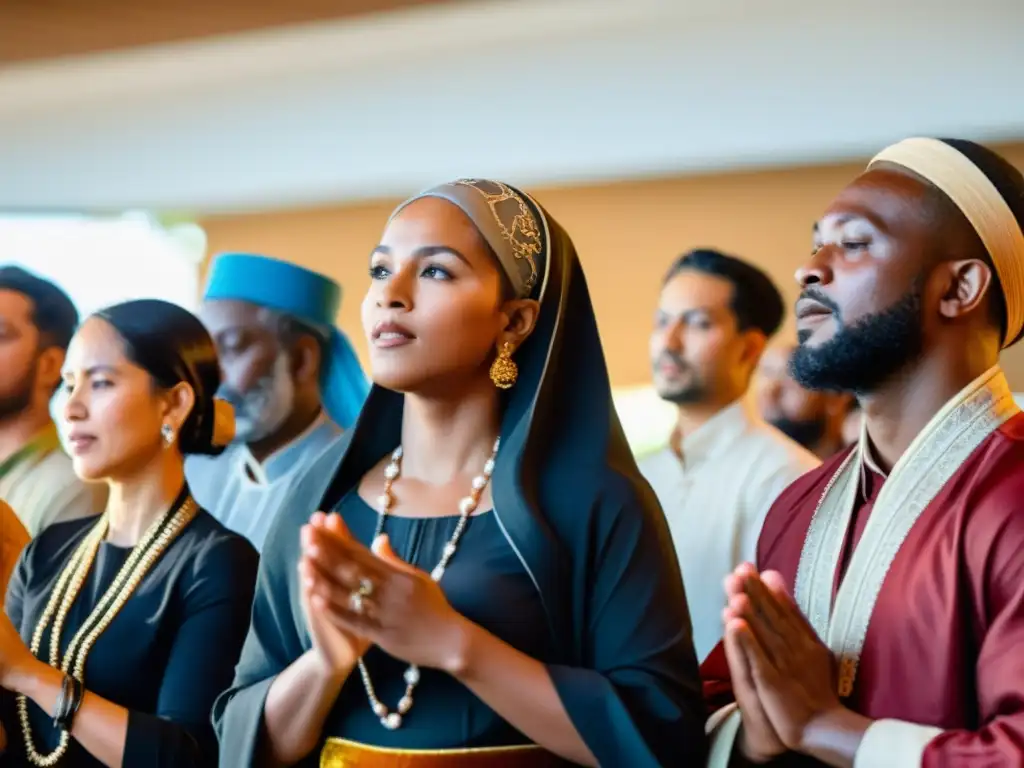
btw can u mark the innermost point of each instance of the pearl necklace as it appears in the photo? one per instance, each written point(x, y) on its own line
point(393, 720)
point(151, 546)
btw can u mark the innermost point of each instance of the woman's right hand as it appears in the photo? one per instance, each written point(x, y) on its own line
point(336, 649)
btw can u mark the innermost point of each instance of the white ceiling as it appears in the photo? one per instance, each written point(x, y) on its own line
point(535, 91)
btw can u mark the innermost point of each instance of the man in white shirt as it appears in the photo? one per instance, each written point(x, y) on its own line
point(291, 375)
point(723, 466)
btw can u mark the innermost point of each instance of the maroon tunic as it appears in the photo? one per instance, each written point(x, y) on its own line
point(945, 646)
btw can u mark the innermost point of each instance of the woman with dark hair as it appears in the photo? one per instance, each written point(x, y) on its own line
point(124, 627)
point(495, 584)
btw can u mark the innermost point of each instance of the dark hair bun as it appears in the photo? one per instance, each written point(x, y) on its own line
point(173, 346)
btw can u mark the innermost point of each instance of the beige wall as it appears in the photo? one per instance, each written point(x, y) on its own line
point(626, 235)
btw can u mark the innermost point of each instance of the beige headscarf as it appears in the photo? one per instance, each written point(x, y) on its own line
point(506, 222)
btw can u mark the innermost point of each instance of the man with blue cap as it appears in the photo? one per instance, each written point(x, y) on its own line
point(291, 375)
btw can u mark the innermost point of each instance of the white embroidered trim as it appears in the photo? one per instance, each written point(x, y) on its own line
point(824, 542)
point(722, 729)
point(919, 475)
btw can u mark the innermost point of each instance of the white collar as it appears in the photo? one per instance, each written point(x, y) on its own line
point(869, 463)
point(256, 469)
point(868, 459)
point(718, 432)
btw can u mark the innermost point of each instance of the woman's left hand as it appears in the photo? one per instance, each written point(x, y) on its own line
point(401, 608)
point(15, 657)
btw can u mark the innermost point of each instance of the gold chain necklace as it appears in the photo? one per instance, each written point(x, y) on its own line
point(151, 546)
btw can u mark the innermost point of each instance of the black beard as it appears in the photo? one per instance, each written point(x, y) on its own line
point(18, 401)
point(863, 356)
point(687, 396)
point(807, 433)
point(694, 392)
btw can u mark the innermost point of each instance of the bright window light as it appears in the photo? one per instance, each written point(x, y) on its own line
point(100, 261)
point(646, 419)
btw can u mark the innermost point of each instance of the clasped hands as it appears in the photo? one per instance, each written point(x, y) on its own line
point(356, 596)
point(783, 676)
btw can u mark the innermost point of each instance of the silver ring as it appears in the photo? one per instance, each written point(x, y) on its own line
point(366, 587)
point(355, 601)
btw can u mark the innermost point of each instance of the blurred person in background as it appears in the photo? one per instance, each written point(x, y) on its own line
point(13, 538)
point(495, 584)
point(883, 622)
point(123, 627)
point(816, 420)
point(852, 424)
point(723, 466)
point(37, 320)
point(289, 372)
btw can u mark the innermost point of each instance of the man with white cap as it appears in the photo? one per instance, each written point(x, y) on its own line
point(884, 620)
point(291, 375)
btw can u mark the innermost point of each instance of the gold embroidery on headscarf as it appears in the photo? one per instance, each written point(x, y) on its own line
point(522, 233)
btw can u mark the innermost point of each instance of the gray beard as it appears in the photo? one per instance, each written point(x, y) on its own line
point(262, 410)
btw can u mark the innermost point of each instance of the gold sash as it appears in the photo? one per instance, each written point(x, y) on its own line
point(342, 753)
point(920, 474)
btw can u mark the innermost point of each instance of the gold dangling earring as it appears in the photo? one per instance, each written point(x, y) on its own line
point(504, 371)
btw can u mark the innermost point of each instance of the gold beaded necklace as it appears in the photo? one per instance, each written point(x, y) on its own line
point(151, 546)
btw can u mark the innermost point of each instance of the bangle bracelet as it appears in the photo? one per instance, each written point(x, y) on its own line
point(63, 701)
point(70, 699)
point(78, 693)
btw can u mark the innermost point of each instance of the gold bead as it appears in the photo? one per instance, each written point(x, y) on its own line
point(847, 674)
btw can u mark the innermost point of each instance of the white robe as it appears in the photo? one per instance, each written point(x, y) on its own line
point(246, 495)
point(716, 499)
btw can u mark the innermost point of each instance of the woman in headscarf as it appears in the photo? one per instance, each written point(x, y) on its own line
point(495, 584)
point(122, 628)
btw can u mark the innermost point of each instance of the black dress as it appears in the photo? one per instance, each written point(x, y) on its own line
point(486, 583)
point(167, 654)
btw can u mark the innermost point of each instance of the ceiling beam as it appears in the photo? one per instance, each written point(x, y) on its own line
point(36, 31)
point(535, 91)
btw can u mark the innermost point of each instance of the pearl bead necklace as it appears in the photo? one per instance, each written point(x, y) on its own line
point(468, 505)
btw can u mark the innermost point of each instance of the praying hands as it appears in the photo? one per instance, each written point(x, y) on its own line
point(784, 677)
point(375, 596)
